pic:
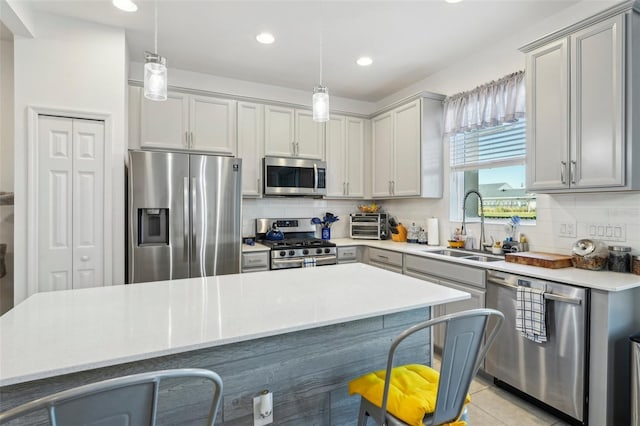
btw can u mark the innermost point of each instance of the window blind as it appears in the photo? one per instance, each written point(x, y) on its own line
point(491, 147)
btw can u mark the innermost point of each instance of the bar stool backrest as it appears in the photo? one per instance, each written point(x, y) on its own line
point(122, 401)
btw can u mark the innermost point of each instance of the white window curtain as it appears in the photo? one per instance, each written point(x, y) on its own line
point(492, 104)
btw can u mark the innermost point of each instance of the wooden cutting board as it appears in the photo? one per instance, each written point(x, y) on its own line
point(536, 258)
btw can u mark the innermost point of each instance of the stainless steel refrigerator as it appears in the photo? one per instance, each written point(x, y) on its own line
point(184, 216)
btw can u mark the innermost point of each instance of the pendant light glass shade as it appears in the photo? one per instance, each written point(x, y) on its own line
point(320, 103)
point(155, 77)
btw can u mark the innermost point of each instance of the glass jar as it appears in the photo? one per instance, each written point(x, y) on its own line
point(635, 264)
point(619, 259)
point(590, 254)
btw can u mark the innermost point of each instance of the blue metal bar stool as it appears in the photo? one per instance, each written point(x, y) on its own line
point(464, 350)
point(128, 400)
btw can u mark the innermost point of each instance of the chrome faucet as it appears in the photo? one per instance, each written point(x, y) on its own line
point(463, 231)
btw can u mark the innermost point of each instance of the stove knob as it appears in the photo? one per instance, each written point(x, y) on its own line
point(318, 251)
point(305, 251)
point(283, 253)
point(291, 252)
point(327, 250)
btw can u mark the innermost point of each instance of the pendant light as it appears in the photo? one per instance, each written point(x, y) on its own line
point(320, 100)
point(155, 69)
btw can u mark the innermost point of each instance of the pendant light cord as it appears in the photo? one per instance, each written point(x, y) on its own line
point(321, 52)
point(155, 37)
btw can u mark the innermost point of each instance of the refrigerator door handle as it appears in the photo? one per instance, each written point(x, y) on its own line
point(193, 213)
point(185, 217)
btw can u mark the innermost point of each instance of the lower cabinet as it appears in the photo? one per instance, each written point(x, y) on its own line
point(385, 259)
point(255, 261)
point(349, 254)
point(456, 276)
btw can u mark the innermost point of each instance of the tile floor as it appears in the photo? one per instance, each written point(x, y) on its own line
point(492, 406)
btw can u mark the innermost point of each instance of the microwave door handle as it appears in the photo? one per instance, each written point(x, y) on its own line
point(315, 177)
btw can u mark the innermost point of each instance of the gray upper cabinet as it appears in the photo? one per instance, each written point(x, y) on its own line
point(407, 150)
point(188, 122)
point(345, 153)
point(291, 132)
point(581, 95)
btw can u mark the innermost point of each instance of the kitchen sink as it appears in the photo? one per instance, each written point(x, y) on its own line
point(466, 255)
point(450, 253)
point(484, 258)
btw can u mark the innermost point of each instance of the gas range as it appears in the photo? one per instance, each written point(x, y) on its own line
point(299, 247)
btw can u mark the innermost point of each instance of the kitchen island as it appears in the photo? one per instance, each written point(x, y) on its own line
point(301, 333)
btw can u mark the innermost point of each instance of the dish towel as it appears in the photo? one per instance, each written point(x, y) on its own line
point(531, 315)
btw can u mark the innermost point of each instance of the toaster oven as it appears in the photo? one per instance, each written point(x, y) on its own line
point(369, 226)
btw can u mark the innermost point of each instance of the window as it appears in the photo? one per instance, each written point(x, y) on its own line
point(491, 160)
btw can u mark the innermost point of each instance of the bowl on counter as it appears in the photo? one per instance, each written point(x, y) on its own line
point(369, 208)
point(455, 243)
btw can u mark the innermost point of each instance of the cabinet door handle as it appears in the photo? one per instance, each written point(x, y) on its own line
point(572, 171)
point(293, 148)
point(186, 138)
point(389, 187)
point(563, 167)
point(347, 188)
point(393, 187)
point(344, 189)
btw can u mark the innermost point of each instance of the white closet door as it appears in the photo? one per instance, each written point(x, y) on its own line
point(88, 203)
point(55, 205)
point(70, 203)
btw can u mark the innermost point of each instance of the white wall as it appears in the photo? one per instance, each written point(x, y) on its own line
point(79, 66)
point(6, 169)
point(489, 64)
point(6, 115)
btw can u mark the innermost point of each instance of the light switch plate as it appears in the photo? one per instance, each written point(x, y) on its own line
point(567, 229)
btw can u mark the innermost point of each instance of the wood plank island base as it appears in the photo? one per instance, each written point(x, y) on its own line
point(302, 334)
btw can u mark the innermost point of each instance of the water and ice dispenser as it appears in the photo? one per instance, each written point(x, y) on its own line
point(153, 227)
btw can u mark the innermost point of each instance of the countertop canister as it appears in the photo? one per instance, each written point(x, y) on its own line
point(619, 259)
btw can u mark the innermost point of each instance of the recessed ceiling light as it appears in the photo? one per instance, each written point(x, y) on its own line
point(453, 1)
point(265, 38)
point(126, 5)
point(365, 61)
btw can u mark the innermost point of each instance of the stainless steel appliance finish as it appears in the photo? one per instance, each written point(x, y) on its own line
point(294, 176)
point(554, 372)
point(369, 226)
point(299, 247)
point(184, 216)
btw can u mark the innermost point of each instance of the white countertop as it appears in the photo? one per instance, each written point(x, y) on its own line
point(256, 247)
point(599, 280)
point(61, 332)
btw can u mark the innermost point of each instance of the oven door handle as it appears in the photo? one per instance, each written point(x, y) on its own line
point(330, 259)
point(296, 261)
point(548, 296)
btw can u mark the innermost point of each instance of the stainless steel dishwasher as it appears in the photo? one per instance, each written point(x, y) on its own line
point(554, 372)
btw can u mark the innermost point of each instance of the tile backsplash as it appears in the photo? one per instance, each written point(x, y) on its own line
point(562, 218)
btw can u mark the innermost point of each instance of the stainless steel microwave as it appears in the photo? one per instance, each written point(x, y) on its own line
point(294, 176)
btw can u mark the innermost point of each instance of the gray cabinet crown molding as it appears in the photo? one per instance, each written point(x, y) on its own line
point(240, 98)
point(626, 6)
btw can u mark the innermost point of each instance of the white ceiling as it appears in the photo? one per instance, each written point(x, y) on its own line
point(408, 40)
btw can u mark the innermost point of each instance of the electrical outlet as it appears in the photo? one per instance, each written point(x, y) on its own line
point(567, 229)
point(259, 419)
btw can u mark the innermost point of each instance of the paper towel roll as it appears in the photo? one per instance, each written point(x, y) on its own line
point(433, 237)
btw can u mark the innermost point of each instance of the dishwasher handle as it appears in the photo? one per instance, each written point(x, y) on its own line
point(548, 296)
